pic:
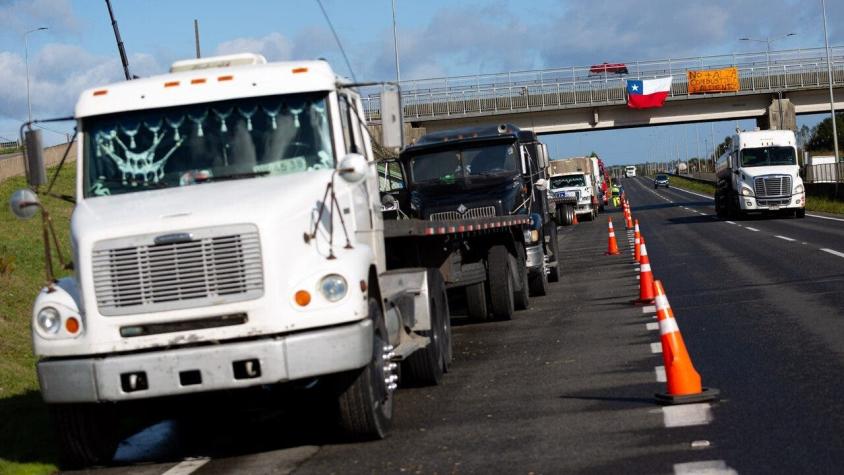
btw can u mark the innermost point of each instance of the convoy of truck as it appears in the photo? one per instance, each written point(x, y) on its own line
point(579, 178)
point(237, 235)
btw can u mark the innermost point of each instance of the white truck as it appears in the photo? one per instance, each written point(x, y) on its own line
point(759, 173)
point(630, 171)
point(574, 178)
point(227, 234)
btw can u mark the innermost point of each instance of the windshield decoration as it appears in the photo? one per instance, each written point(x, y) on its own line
point(201, 143)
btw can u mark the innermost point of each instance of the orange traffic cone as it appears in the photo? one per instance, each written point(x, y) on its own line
point(637, 241)
point(641, 243)
point(683, 381)
point(646, 279)
point(628, 217)
point(575, 221)
point(612, 249)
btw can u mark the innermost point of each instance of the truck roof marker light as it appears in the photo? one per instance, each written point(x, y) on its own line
point(302, 298)
point(101, 92)
point(71, 325)
point(171, 83)
point(197, 81)
point(300, 70)
point(227, 77)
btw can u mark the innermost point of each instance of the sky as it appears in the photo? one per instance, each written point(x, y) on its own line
point(436, 38)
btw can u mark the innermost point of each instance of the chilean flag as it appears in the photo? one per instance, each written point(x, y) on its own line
point(647, 93)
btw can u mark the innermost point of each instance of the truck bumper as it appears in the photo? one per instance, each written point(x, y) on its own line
point(207, 368)
point(750, 203)
point(534, 256)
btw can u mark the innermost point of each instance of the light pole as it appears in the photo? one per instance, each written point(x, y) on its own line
point(26, 60)
point(396, 44)
point(831, 97)
point(768, 42)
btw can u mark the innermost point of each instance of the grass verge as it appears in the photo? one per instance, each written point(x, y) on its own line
point(26, 443)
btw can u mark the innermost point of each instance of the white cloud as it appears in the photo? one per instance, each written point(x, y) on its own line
point(274, 46)
point(21, 15)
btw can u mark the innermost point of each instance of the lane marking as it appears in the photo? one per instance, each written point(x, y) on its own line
point(652, 326)
point(824, 217)
point(751, 229)
point(784, 238)
point(834, 253)
point(687, 415)
point(731, 222)
point(649, 309)
point(187, 467)
point(659, 371)
point(708, 467)
point(693, 193)
point(656, 347)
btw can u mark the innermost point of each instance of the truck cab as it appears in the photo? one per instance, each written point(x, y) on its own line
point(577, 185)
point(759, 173)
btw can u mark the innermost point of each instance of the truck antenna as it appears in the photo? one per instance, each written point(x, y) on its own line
point(120, 48)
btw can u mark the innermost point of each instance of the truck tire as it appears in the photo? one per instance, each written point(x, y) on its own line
point(561, 215)
point(476, 307)
point(538, 283)
point(365, 401)
point(554, 246)
point(88, 433)
point(500, 282)
point(569, 215)
point(800, 213)
point(719, 207)
point(426, 367)
point(521, 294)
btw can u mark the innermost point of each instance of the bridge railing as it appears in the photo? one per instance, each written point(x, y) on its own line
point(577, 86)
point(825, 173)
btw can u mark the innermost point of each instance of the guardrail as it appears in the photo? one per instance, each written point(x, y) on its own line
point(824, 173)
point(576, 86)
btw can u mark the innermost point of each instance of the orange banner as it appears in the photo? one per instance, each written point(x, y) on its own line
point(713, 80)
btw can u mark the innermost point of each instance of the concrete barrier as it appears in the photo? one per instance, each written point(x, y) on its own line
point(13, 164)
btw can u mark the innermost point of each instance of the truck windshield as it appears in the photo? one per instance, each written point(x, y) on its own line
point(767, 156)
point(450, 165)
point(198, 143)
point(566, 181)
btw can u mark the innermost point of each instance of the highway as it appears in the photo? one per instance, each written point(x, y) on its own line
point(567, 386)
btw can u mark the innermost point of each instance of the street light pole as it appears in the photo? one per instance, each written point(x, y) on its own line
point(396, 44)
point(26, 61)
point(829, 73)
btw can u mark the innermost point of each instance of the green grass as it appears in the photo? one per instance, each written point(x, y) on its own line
point(813, 203)
point(26, 438)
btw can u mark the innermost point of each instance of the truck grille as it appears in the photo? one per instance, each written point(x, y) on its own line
point(772, 186)
point(482, 212)
point(212, 266)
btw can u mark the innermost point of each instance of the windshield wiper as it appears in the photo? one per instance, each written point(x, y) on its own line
point(233, 176)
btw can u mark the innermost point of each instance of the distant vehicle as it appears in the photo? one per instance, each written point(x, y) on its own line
point(615, 68)
point(759, 172)
point(681, 168)
point(630, 171)
point(661, 180)
point(573, 177)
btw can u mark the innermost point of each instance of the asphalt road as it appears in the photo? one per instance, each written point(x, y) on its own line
point(567, 386)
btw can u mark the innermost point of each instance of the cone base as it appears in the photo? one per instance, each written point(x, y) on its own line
point(608, 253)
point(707, 394)
point(644, 302)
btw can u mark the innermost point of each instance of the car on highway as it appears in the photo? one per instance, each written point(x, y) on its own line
point(661, 180)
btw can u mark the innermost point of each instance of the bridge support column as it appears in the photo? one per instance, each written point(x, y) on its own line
point(779, 115)
point(411, 135)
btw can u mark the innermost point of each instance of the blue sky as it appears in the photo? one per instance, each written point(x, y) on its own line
point(436, 38)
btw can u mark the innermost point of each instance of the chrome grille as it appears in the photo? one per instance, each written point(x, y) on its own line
point(481, 212)
point(217, 265)
point(772, 186)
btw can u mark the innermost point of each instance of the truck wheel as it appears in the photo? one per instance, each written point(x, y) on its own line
point(426, 366)
point(88, 433)
point(476, 307)
point(500, 281)
point(521, 296)
point(569, 215)
point(366, 401)
point(538, 283)
point(800, 213)
point(554, 246)
point(560, 215)
point(719, 207)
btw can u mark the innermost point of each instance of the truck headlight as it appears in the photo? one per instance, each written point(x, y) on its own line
point(798, 189)
point(49, 320)
point(333, 287)
point(746, 191)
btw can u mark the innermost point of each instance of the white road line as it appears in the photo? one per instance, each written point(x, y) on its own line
point(824, 217)
point(187, 467)
point(659, 371)
point(656, 347)
point(649, 309)
point(784, 238)
point(693, 193)
point(708, 467)
point(652, 326)
point(751, 229)
point(731, 222)
point(687, 415)
point(834, 253)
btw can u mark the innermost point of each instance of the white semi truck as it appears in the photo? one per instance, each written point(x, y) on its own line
point(575, 178)
point(228, 233)
point(760, 173)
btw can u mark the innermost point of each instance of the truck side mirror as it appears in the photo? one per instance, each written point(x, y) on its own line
point(24, 203)
point(392, 125)
point(353, 168)
point(36, 172)
point(541, 184)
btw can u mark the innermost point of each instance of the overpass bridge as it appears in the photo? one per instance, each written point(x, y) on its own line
point(774, 87)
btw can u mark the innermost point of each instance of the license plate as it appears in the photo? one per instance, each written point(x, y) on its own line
point(773, 207)
point(571, 193)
